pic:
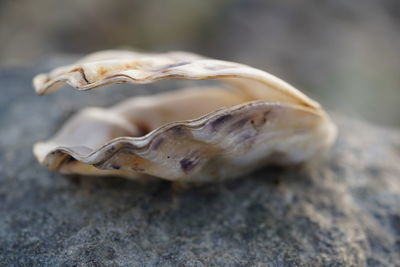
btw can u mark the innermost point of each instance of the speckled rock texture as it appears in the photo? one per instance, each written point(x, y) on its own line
point(343, 212)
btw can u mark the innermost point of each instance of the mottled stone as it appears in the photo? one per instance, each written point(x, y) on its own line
point(344, 211)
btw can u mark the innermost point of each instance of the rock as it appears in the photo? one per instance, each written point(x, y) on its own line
point(345, 211)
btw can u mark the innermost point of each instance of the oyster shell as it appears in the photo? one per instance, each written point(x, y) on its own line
point(192, 134)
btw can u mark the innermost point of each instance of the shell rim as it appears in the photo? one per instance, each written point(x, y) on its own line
point(141, 142)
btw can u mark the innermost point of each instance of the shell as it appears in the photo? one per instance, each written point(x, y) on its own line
point(193, 134)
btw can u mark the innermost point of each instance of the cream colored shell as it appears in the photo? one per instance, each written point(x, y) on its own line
point(193, 134)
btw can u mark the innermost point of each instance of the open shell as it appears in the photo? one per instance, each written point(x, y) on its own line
point(194, 134)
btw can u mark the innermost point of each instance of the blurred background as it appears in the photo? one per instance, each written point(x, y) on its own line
point(345, 54)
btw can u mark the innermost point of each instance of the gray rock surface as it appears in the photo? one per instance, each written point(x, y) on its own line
point(343, 212)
